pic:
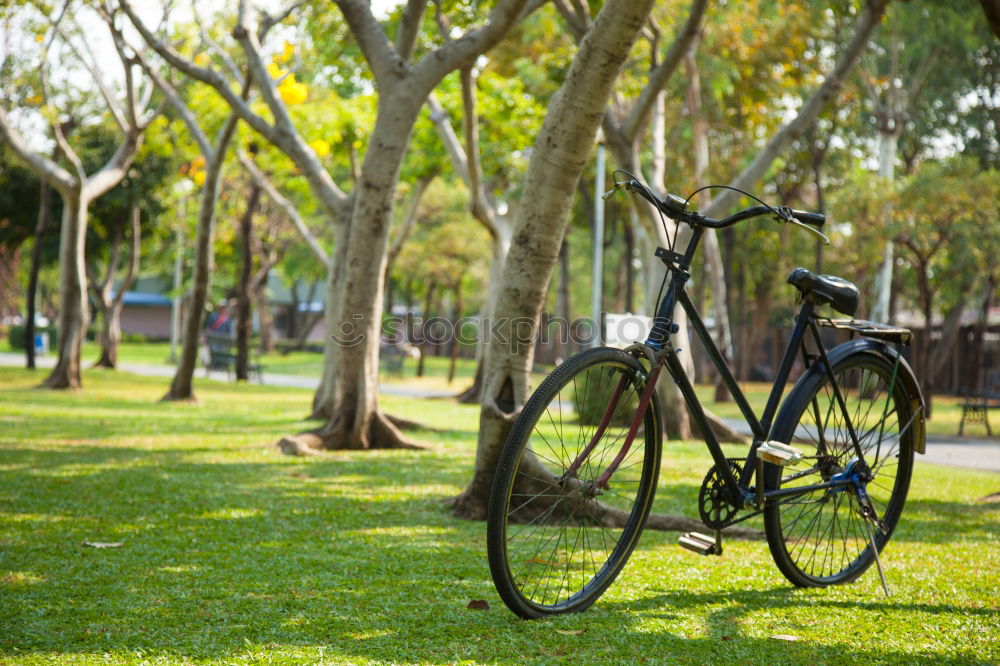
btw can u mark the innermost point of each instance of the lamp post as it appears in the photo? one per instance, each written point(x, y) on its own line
point(182, 189)
point(596, 292)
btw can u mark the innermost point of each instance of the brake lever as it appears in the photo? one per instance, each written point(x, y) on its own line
point(785, 215)
point(618, 185)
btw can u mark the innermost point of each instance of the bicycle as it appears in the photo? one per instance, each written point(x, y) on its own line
point(577, 475)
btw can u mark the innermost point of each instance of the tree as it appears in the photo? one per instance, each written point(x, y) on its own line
point(78, 189)
point(18, 223)
point(348, 397)
point(566, 139)
point(937, 215)
point(113, 217)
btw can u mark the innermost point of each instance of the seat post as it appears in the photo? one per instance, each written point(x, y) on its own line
point(801, 321)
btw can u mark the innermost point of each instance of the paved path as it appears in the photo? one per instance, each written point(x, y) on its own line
point(967, 452)
point(270, 378)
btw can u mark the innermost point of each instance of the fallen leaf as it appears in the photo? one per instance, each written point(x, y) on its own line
point(301, 475)
point(571, 632)
point(537, 560)
point(103, 544)
point(785, 637)
point(478, 604)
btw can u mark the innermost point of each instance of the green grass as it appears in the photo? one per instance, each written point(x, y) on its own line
point(234, 553)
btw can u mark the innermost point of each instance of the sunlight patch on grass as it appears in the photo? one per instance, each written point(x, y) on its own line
point(234, 553)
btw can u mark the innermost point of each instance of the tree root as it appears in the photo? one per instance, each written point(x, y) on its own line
point(382, 433)
point(407, 424)
point(575, 505)
point(722, 431)
point(170, 397)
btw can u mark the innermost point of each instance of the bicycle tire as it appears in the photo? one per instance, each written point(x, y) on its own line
point(553, 548)
point(819, 538)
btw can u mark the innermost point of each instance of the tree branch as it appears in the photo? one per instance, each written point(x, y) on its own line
point(464, 50)
point(203, 74)
point(448, 137)
point(409, 28)
point(109, 98)
point(289, 209)
point(52, 173)
point(578, 22)
point(114, 169)
point(174, 98)
point(133, 264)
point(384, 61)
point(214, 46)
point(481, 208)
point(409, 221)
point(661, 74)
point(57, 131)
point(863, 28)
point(333, 199)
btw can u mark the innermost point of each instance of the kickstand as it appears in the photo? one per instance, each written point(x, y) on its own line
point(865, 518)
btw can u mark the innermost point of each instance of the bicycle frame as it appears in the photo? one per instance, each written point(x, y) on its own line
point(663, 354)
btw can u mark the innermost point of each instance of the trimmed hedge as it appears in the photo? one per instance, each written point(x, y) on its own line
point(590, 406)
point(17, 331)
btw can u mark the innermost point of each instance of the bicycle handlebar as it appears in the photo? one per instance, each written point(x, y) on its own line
point(675, 208)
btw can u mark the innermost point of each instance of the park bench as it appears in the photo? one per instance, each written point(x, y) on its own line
point(391, 359)
point(976, 406)
point(221, 355)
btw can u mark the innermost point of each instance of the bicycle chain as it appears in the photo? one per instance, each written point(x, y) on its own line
point(733, 521)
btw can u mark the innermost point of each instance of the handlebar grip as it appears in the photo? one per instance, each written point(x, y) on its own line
point(815, 219)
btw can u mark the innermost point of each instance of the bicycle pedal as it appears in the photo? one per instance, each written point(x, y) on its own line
point(699, 543)
point(779, 453)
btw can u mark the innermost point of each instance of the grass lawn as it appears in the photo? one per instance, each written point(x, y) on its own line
point(946, 410)
point(231, 552)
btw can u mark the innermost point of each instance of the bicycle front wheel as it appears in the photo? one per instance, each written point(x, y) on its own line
point(555, 539)
point(821, 537)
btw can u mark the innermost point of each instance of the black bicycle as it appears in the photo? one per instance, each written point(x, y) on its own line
point(829, 471)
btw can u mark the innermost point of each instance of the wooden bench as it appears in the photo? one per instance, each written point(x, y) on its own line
point(391, 359)
point(976, 406)
point(222, 356)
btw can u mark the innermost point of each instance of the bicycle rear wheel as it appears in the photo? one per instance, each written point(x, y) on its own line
point(820, 537)
point(555, 540)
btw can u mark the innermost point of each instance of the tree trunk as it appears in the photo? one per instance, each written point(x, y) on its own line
point(924, 360)
point(566, 138)
point(44, 212)
point(181, 387)
point(348, 396)
point(629, 233)
point(562, 304)
point(456, 317)
point(243, 308)
point(324, 399)
point(73, 312)
point(494, 283)
point(111, 306)
point(976, 370)
point(424, 348)
point(264, 312)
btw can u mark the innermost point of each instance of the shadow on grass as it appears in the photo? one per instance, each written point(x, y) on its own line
point(345, 558)
point(220, 559)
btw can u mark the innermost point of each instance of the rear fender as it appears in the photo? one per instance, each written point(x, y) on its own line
point(904, 374)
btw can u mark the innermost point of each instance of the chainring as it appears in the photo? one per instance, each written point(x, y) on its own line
point(713, 508)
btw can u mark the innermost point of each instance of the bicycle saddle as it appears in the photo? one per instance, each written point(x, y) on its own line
point(843, 296)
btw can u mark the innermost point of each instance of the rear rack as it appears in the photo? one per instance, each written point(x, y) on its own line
point(869, 329)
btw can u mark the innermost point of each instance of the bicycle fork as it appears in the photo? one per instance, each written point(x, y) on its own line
point(647, 395)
